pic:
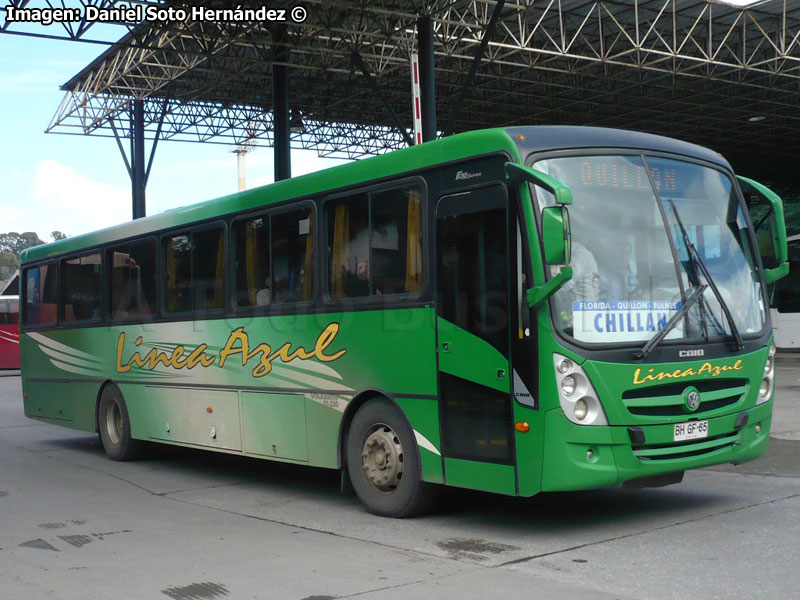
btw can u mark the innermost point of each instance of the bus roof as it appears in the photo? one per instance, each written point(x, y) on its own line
point(555, 137)
point(518, 141)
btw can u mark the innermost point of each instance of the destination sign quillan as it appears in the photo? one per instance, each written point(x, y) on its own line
point(624, 175)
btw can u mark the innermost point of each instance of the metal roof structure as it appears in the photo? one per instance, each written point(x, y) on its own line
point(698, 70)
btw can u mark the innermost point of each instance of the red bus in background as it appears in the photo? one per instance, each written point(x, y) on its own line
point(9, 332)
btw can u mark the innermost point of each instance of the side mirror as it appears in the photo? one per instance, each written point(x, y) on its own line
point(556, 235)
point(778, 228)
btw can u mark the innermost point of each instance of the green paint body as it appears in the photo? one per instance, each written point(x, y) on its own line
point(295, 410)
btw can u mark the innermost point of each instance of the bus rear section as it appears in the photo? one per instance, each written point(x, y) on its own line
point(9, 332)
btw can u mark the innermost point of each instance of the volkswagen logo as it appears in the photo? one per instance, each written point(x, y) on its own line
point(692, 399)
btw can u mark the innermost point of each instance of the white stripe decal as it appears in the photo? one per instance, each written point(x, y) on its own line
point(424, 442)
point(7, 337)
point(309, 380)
point(71, 369)
point(317, 367)
point(67, 358)
point(61, 347)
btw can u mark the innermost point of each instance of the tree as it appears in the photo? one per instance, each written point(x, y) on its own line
point(8, 265)
point(17, 242)
point(11, 246)
point(57, 235)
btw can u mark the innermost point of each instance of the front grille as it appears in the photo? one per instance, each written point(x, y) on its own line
point(667, 400)
point(675, 450)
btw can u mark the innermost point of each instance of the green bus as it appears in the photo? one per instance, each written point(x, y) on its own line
point(511, 310)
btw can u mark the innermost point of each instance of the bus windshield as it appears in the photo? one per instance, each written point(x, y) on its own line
point(632, 267)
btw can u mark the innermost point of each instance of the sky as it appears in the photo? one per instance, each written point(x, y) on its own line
point(76, 184)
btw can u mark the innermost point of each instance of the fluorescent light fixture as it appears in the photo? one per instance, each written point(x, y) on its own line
point(756, 119)
point(741, 3)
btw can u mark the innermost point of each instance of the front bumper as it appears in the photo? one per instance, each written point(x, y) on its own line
point(587, 457)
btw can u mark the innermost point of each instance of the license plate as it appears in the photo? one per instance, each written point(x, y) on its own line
point(690, 431)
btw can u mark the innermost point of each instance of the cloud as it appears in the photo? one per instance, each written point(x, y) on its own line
point(58, 197)
point(61, 199)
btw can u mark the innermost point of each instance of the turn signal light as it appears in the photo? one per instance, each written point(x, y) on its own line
point(522, 426)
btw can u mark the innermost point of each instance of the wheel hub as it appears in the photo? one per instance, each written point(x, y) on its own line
point(382, 458)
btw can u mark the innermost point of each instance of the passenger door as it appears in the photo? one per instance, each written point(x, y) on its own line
point(472, 255)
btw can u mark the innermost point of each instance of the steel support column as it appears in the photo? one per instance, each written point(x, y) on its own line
point(138, 160)
point(427, 77)
point(280, 104)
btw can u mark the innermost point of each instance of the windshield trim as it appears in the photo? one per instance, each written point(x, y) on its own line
point(643, 153)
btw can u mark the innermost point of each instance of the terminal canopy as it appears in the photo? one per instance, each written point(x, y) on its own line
point(710, 72)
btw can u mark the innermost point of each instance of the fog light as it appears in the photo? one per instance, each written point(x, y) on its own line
point(589, 454)
point(758, 428)
point(564, 366)
point(764, 389)
point(581, 409)
point(568, 385)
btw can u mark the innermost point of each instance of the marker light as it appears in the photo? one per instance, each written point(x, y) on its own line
point(522, 426)
point(568, 385)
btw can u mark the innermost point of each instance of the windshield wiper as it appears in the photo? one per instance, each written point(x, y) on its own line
point(657, 338)
point(697, 262)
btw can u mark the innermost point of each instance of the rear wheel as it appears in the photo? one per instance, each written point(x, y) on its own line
point(114, 426)
point(383, 462)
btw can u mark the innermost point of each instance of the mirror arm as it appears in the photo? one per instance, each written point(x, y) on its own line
point(540, 293)
point(518, 173)
point(772, 275)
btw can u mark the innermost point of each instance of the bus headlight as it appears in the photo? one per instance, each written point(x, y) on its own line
point(768, 382)
point(576, 394)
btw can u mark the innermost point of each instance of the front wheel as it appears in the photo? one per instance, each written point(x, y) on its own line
point(383, 462)
point(114, 426)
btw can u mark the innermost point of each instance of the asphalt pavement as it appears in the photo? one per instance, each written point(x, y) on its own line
point(192, 525)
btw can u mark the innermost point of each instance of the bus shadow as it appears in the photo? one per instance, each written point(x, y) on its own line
point(214, 468)
point(543, 513)
point(554, 512)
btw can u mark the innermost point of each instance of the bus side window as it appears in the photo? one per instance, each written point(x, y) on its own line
point(81, 285)
point(292, 256)
point(133, 279)
point(194, 271)
point(208, 267)
point(251, 245)
point(375, 243)
point(8, 311)
point(41, 298)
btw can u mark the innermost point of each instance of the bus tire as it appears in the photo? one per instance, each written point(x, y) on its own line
point(383, 462)
point(114, 426)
